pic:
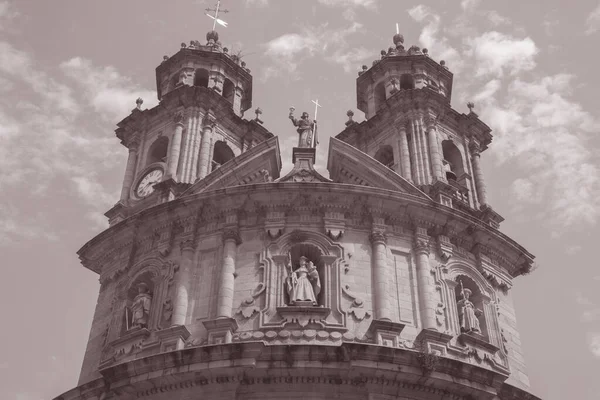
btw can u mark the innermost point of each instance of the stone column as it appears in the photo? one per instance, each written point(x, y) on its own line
point(479, 181)
point(129, 171)
point(175, 149)
point(405, 153)
point(425, 282)
point(379, 258)
point(434, 151)
point(182, 283)
point(231, 239)
point(204, 162)
point(415, 153)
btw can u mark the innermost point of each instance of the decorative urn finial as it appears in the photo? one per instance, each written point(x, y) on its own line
point(350, 114)
point(398, 39)
point(212, 37)
point(471, 106)
point(139, 103)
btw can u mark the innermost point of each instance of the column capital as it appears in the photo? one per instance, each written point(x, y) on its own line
point(430, 122)
point(178, 117)
point(209, 121)
point(421, 245)
point(378, 237)
point(232, 234)
point(475, 149)
point(187, 244)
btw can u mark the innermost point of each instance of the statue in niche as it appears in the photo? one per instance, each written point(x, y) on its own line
point(305, 128)
point(140, 309)
point(303, 284)
point(468, 315)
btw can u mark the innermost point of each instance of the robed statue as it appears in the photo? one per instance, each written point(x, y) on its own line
point(140, 309)
point(306, 128)
point(303, 284)
point(468, 315)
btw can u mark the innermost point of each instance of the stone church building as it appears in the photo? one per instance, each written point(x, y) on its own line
point(223, 278)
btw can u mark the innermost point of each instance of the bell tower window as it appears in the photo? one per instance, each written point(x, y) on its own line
point(385, 155)
point(201, 77)
point(221, 154)
point(228, 90)
point(158, 151)
point(407, 82)
point(453, 162)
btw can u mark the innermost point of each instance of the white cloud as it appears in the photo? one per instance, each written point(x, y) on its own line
point(594, 343)
point(350, 3)
point(106, 90)
point(259, 3)
point(7, 13)
point(592, 23)
point(350, 58)
point(496, 53)
point(430, 38)
point(287, 50)
point(469, 4)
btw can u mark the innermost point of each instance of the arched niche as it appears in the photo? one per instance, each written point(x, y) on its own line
point(221, 154)
point(385, 155)
point(228, 90)
point(201, 77)
point(327, 256)
point(157, 274)
point(483, 296)
point(453, 160)
point(158, 151)
point(407, 82)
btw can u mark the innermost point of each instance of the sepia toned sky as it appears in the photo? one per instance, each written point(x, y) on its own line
point(71, 69)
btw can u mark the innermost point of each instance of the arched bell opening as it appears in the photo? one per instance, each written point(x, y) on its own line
point(385, 155)
point(407, 82)
point(453, 162)
point(470, 305)
point(158, 151)
point(313, 256)
point(201, 77)
point(228, 90)
point(380, 95)
point(221, 154)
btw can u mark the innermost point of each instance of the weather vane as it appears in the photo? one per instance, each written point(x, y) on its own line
point(215, 17)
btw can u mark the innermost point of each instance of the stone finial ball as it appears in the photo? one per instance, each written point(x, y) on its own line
point(212, 35)
point(425, 51)
point(350, 113)
point(364, 67)
point(383, 52)
point(183, 45)
point(243, 64)
point(225, 50)
point(398, 38)
point(442, 63)
point(165, 58)
point(139, 101)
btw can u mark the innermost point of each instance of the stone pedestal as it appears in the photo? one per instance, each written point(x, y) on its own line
point(433, 340)
point(385, 333)
point(173, 338)
point(303, 315)
point(220, 331)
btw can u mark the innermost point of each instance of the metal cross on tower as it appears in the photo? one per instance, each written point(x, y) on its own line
point(215, 17)
point(315, 138)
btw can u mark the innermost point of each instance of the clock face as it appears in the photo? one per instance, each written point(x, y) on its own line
point(146, 185)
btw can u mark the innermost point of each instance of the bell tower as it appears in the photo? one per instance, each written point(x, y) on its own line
point(412, 129)
point(196, 128)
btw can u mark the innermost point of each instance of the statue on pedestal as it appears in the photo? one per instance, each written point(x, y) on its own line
point(468, 314)
point(305, 129)
point(140, 309)
point(303, 284)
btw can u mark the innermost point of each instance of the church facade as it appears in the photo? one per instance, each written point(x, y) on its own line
point(221, 278)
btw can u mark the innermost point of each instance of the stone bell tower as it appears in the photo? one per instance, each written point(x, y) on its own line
point(198, 126)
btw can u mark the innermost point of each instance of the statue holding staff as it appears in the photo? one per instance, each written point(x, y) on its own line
point(303, 284)
point(467, 313)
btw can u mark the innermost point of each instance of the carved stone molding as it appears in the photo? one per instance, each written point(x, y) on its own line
point(178, 118)
point(378, 237)
point(421, 245)
point(445, 248)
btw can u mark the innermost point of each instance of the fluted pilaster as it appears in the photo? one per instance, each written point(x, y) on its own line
point(379, 258)
point(434, 151)
point(208, 127)
point(182, 283)
point(175, 149)
point(425, 284)
point(404, 153)
point(231, 239)
point(129, 172)
point(479, 181)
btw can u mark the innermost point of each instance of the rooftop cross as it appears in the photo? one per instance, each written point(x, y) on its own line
point(215, 17)
point(315, 138)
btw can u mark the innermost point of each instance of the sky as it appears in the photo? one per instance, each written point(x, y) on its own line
point(71, 69)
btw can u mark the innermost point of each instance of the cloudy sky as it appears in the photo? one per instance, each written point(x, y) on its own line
point(71, 69)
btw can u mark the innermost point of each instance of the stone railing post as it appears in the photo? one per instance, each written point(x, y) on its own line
point(379, 259)
point(231, 239)
point(173, 161)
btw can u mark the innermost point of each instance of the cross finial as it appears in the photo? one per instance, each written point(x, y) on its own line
point(215, 17)
point(317, 105)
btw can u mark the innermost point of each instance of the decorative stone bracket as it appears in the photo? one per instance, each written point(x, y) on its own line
point(445, 248)
point(220, 330)
point(385, 333)
point(303, 316)
point(335, 224)
point(275, 223)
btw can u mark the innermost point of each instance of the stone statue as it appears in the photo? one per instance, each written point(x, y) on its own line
point(303, 284)
point(468, 314)
point(305, 128)
point(140, 309)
